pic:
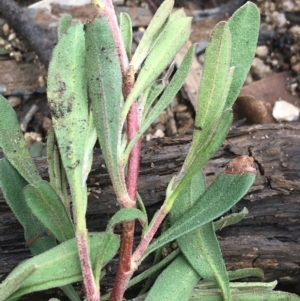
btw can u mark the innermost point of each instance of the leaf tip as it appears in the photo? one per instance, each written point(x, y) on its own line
point(241, 165)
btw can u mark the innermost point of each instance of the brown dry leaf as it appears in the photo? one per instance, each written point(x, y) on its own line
point(256, 101)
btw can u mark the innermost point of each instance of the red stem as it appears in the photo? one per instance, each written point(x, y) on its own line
point(88, 277)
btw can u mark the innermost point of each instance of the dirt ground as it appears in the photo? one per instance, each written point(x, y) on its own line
point(274, 73)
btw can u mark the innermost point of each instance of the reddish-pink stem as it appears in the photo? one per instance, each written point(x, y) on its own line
point(125, 270)
point(87, 273)
point(156, 222)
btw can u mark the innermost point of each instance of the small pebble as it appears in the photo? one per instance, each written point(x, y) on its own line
point(5, 29)
point(262, 51)
point(14, 101)
point(11, 36)
point(259, 69)
point(296, 67)
point(295, 30)
point(285, 111)
point(159, 134)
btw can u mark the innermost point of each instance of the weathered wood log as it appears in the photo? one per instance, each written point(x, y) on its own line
point(267, 238)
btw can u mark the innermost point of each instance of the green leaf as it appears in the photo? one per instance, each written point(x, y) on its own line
point(213, 87)
point(13, 144)
point(67, 96)
point(60, 265)
point(171, 41)
point(245, 273)
point(244, 28)
point(200, 246)
point(49, 209)
point(253, 295)
point(201, 156)
point(153, 269)
point(125, 215)
point(166, 98)
point(230, 219)
point(155, 25)
point(64, 23)
point(224, 192)
point(105, 92)
point(154, 91)
point(56, 171)
point(126, 32)
point(175, 283)
point(12, 283)
point(12, 184)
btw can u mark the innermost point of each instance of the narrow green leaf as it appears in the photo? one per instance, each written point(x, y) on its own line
point(156, 23)
point(12, 185)
point(60, 265)
point(126, 32)
point(12, 283)
point(213, 87)
point(105, 92)
point(49, 209)
point(200, 246)
point(230, 219)
point(67, 96)
point(154, 91)
point(64, 23)
point(13, 144)
point(125, 215)
point(166, 98)
point(175, 283)
point(245, 273)
point(154, 269)
point(244, 28)
point(56, 171)
point(223, 193)
point(171, 41)
point(201, 156)
point(90, 141)
point(253, 295)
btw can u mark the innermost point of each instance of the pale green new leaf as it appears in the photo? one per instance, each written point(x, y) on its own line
point(13, 144)
point(166, 98)
point(244, 28)
point(171, 41)
point(155, 25)
point(105, 92)
point(67, 97)
point(60, 265)
point(175, 283)
point(126, 32)
point(223, 193)
point(12, 283)
point(45, 204)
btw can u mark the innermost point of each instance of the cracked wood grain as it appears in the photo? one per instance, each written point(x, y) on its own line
point(267, 238)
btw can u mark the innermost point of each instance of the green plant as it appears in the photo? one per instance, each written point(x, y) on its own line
point(96, 90)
